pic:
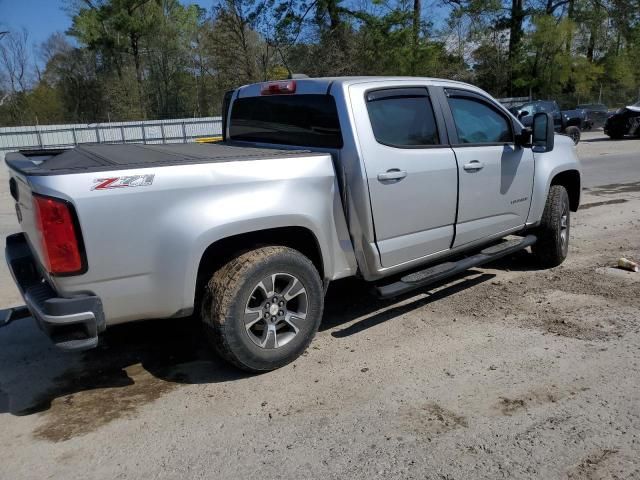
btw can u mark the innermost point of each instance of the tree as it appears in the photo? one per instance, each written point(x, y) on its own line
point(15, 60)
point(169, 81)
point(114, 27)
point(416, 27)
point(74, 73)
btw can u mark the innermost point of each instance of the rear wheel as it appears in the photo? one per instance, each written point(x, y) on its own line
point(574, 133)
point(615, 134)
point(552, 245)
point(262, 309)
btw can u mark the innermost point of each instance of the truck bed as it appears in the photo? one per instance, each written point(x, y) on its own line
point(100, 158)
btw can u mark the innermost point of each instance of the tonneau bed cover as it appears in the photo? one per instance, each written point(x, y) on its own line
point(104, 157)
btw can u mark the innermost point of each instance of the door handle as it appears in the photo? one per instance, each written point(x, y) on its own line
point(392, 174)
point(473, 166)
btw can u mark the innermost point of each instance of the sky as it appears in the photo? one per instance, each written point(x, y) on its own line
point(41, 18)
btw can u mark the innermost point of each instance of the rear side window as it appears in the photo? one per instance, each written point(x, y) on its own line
point(402, 117)
point(305, 120)
point(476, 122)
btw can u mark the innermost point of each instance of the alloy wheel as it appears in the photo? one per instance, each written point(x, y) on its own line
point(276, 310)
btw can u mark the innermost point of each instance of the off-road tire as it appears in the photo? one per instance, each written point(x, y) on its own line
point(616, 135)
point(550, 250)
point(573, 133)
point(226, 296)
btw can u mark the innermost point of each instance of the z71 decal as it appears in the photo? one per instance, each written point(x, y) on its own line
point(123, 182)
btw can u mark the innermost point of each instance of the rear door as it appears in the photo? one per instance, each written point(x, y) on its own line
point(411, 172)
point(496, 176)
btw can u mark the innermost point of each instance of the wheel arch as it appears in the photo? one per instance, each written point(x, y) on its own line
point(570, 180)
point(219, 252)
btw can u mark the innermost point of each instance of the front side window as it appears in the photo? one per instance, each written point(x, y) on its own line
point(477, 122)
point(304, 120)
point(402, 118)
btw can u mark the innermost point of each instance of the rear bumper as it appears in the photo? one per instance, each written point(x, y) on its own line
point(71, 323)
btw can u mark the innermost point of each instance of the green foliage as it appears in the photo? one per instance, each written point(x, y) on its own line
point(550, 66)
point(45, 105)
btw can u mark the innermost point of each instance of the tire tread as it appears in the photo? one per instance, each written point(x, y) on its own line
point(223, 290)
point(546, 249)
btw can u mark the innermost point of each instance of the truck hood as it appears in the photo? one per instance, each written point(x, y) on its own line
point(563, 141)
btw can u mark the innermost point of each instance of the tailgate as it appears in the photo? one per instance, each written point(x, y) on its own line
point(24, 167)
point(23, 198)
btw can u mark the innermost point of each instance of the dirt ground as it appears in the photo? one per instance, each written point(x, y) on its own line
point(505, 372)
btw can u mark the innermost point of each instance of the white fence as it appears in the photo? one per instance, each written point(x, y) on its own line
point(150, 131)
point(513, 101)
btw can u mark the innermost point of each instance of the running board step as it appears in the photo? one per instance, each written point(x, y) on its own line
point(445, 270)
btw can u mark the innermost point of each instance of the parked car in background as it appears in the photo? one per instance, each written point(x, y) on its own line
point(568, 122)
point(597, 113)
point(626, 121)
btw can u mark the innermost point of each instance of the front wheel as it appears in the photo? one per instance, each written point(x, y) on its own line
point(262, 309)
point(615, 134)
point(573, 133)
point(552, 245)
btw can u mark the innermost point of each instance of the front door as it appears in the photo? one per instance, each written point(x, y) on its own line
point(496, 176)
point(412, 174)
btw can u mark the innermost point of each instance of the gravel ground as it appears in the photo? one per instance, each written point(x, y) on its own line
point(506, 372)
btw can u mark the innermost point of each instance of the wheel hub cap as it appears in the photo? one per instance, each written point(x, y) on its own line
point(276, 310)
point(564, 229)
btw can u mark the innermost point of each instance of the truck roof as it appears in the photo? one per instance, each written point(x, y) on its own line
point(323, 84)
point(369, 78)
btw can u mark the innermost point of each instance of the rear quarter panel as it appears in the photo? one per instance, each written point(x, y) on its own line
point(144, 244)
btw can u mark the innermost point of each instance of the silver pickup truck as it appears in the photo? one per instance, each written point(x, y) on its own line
point(402, 182)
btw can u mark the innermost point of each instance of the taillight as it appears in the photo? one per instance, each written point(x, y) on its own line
point(278, 88)
point(59, 236)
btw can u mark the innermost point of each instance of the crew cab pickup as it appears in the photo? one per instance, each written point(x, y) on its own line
point(402, 182)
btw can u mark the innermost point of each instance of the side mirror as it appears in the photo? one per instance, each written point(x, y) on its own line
point(522, 113)
point(543, 132)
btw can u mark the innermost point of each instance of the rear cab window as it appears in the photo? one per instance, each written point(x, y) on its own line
point(546, 107)
point(309, 120)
